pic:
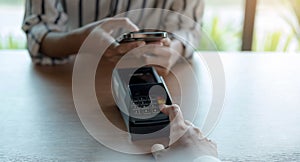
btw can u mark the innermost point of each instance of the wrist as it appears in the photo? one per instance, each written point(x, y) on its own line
point(77, 36)
point(73, 40)
point(61, 44)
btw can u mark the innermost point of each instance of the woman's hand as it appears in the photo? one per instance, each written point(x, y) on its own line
point(186, 141)
point(61, 44)
point(104, 31)
point(115, 51)
point(164, 54)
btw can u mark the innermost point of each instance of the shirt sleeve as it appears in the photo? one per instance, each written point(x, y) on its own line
point(186, 23)
point(42, 17)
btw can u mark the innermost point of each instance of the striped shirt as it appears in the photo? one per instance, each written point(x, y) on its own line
point(44, 16)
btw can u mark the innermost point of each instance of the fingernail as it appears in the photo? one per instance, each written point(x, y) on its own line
point(162, 106)
point(157, 147)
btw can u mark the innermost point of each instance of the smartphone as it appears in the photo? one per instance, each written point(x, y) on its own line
point(143, 35)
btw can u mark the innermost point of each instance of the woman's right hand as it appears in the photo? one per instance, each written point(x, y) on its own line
point(107, 27)
point(187, 142)
point(60, 44)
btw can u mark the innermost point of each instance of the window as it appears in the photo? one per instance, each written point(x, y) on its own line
point(276, 25)
point(11, 16)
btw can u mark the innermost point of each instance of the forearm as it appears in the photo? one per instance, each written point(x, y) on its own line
point(62, 44)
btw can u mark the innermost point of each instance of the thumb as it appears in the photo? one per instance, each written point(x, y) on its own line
point(116, 23)
point(157, 150)
point(174, 113)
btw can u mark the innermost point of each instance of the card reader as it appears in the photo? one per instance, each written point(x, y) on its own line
point(138, 92)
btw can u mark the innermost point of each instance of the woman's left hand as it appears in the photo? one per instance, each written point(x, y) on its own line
point(163, 55)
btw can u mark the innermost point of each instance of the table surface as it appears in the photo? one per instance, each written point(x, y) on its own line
point(260, 120)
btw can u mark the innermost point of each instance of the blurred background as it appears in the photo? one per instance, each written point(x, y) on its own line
point(276, 26)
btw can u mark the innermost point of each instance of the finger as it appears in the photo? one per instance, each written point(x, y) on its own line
point(187, 122)
point(177, 125)
point(156, 60)
point(160, 51)
point(101, 35)
point(162, 65)
point(214, 143)
point(130, 25)
point(123, 48)
point(193, 129)
point(196, 131)
point(157, 150)
point(161, 70)
point(156, 43)
point(166, 42)
point(157, 147)
point(174, 113)
point(154, 50)
point(157, 50)
point(114, 59)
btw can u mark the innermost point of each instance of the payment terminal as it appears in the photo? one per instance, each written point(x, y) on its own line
point(138, 92)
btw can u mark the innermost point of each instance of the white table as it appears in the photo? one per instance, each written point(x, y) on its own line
point(260, 120)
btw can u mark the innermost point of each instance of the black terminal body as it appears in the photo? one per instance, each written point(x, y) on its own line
point(138, 94)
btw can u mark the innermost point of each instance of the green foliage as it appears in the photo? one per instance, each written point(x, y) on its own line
point(12, 42)
point(226, 37)
point(273, 41)
point(288, 42)
point(281, 40)
point(219, 36)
